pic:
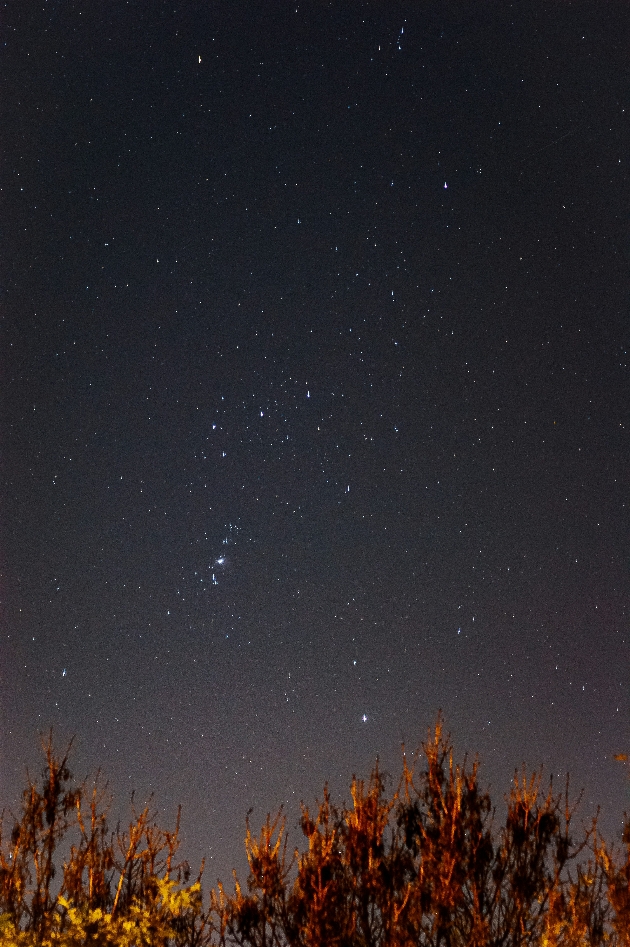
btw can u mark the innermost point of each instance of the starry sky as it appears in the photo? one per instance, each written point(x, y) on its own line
point(315, 404)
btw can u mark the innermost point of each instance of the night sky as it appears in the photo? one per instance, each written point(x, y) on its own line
point(314, 395)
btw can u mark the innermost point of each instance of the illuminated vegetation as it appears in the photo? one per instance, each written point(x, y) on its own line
point(424, 865)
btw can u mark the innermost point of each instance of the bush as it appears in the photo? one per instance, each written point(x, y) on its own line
point(426, 865)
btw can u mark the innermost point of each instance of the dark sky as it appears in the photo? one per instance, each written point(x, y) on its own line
point(315, 401)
